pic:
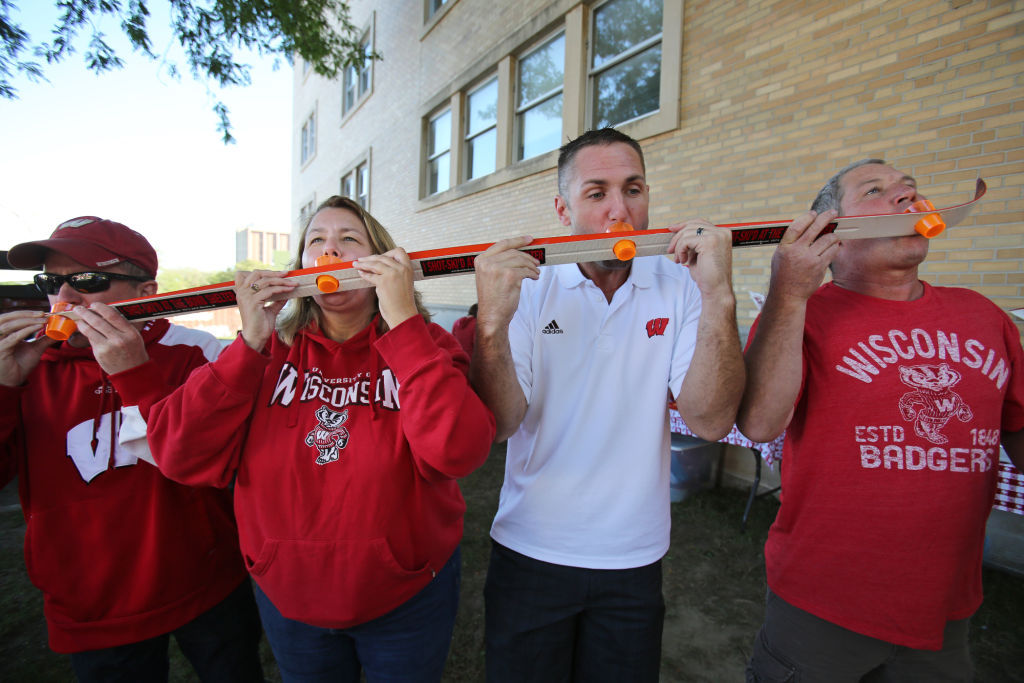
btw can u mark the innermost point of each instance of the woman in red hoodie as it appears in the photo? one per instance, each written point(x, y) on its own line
point(344, 430)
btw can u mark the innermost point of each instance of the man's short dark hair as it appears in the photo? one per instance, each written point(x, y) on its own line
point(831, 196)
point(601, 136)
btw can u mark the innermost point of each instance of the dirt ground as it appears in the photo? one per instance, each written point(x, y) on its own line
point(713, 584)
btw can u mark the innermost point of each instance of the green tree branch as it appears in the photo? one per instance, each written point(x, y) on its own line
point(209, 31)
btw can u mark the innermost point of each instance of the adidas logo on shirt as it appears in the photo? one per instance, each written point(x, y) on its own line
point(551, 328)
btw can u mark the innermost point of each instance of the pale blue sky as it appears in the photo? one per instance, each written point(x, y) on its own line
point(135, 145)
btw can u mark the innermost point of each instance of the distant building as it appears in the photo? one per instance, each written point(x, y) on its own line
point(260, 245)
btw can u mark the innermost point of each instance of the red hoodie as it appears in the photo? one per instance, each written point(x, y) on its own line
point(120, 552)
point(346, 458)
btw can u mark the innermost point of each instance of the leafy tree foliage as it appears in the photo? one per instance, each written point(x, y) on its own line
point(210, 31)
point(173, 279)
point(229, 274)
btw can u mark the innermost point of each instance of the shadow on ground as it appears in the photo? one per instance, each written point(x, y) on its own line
point(713, 583)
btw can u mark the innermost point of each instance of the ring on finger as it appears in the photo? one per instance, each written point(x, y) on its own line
point(255, 286)
point(700, 230)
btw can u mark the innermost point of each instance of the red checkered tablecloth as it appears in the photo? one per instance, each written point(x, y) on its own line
point(1010, 489)
point(770, 452)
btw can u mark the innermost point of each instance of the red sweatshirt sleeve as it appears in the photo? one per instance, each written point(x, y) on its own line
point(448, 428)
point(196, 433)
point(146, 384)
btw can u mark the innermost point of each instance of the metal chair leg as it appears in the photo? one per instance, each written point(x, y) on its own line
point(753, 487)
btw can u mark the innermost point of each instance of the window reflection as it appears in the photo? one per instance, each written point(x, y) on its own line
point(625, 60)
point(481, 131)
point(539, 99)
point(439, 142)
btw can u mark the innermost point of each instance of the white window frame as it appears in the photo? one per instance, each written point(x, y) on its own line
point(359, 80)
point(357, 176)
point(362, 174)
point(306, 210)
point(307, 139)
point(576, 98)
point(347, 188)
point(521, 108)
point(468, 138)
point(430, 11)
point(666, 116)
point(431, 157)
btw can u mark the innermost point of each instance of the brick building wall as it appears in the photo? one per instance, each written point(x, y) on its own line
point(774, 97)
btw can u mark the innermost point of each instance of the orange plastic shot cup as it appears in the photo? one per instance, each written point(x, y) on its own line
point(624, 250)
point(60, 327)
point(931, 225)
point(327, 283)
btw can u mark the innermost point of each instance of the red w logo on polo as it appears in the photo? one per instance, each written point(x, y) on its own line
point(656, 326)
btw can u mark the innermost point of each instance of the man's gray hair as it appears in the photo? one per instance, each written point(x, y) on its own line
point(831, 195)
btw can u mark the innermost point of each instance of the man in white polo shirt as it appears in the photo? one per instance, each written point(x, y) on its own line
point(578, 362)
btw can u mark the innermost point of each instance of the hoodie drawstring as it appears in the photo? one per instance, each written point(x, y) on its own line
point(107, 398)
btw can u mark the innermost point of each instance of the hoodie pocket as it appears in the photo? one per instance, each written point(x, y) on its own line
point(335, 584)
point(116, 557)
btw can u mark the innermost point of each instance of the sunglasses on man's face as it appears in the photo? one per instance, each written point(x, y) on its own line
point(86, 283)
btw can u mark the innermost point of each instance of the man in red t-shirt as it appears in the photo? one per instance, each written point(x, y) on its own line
point(894, 396)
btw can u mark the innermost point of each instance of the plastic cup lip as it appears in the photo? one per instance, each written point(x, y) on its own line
point(624, 250)
point(60, 327)
point(327, 283)
point(930, 226)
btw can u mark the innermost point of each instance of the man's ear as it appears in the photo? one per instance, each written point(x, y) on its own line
point(148, 288)
point(562, 209)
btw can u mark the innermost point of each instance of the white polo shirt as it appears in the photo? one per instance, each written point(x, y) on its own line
point(587, 473)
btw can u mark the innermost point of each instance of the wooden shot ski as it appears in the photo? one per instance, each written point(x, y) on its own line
point(434, 263)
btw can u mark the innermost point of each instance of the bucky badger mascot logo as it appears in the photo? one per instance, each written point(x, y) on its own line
point(329, 436)
point(933, 401)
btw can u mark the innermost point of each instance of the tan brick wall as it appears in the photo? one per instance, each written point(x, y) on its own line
point(776, 96)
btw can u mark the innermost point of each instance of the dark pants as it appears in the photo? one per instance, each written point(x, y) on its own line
point(794, 645)
point(409, 643)
point(548, 622)
point(222, 645)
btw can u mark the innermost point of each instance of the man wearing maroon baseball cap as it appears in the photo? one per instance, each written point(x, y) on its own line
point(93, 242)
point(124, 556)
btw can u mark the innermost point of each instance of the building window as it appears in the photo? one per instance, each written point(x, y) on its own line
point(539, 99)
point(625, 64)
point(308, 146)
point(482, 130)
point(433, 6)
point(356, 81)
point(363, 185)
point(356, 184)
point(439, 143)
point(610, 63)
point(306, 212)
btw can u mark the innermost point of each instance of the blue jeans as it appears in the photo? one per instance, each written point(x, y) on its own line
point(409, 643)
point(222, 644)
point(547, 622)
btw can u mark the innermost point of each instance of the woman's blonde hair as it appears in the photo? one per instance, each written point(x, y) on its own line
point(300, 312)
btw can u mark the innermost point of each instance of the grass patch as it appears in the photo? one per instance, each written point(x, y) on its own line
point(713, 583)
